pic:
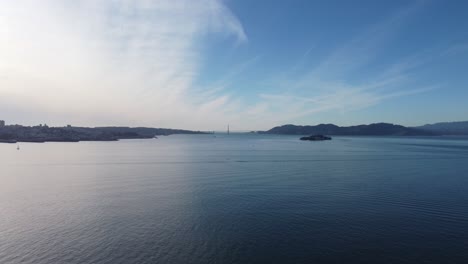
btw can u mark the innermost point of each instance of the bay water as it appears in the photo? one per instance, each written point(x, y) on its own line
point(239, 198)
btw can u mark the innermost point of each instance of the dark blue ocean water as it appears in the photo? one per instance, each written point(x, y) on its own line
point(235, 199)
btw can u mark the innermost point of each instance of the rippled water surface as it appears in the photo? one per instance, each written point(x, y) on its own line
point(235, 199)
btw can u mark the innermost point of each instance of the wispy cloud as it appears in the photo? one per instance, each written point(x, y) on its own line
point(330, 86)
point(127, 62)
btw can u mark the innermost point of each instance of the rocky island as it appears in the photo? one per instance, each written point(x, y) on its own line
point(316, 138)
point(44, 133)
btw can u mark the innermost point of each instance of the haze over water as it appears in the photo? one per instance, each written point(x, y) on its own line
point(235, 199)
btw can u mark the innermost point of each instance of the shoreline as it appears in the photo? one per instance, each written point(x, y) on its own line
point(40, 134)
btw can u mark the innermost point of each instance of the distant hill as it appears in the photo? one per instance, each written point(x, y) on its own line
point(147, 131)
point(447, 128)
point(379, 129)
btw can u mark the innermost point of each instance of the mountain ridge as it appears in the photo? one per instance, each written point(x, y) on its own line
point(375, 129)
point(447, 128)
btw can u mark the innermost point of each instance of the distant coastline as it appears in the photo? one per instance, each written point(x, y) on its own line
point(377, 129)
point(44, 133)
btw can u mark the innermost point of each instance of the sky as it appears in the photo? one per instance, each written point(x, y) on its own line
point(252, 64)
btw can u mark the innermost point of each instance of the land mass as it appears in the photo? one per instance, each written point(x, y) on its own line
point(18, 133)
point(44, 133)
point(447, 128)
point(378, 129)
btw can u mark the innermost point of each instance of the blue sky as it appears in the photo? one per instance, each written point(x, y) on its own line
point(253, 64)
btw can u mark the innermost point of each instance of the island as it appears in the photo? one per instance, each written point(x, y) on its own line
point(316, 138)
point(44, 133)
